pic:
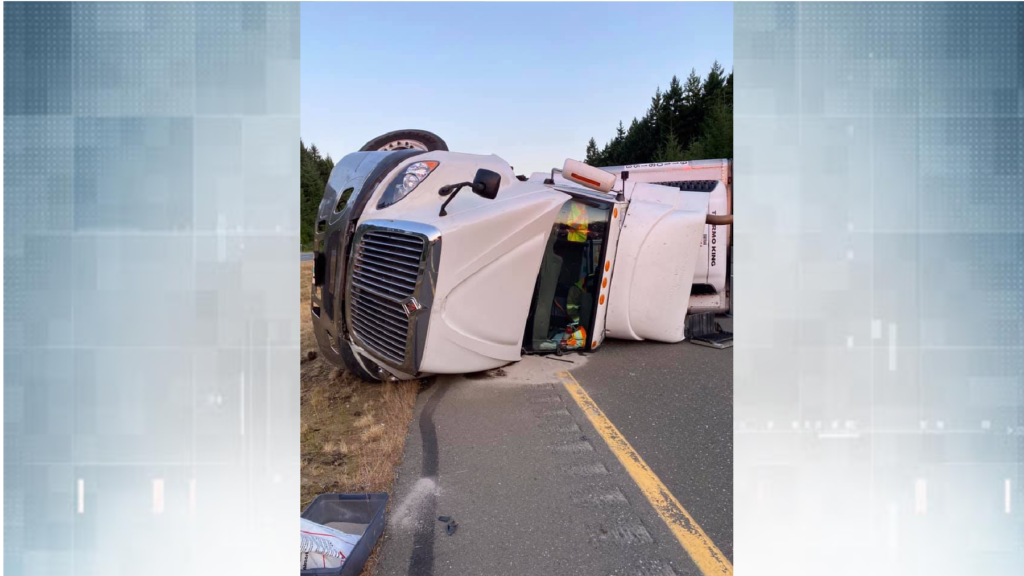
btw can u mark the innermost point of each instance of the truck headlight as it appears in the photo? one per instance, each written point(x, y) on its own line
point(406, 181)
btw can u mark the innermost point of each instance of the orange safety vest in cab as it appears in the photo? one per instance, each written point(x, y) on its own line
point(576, 338)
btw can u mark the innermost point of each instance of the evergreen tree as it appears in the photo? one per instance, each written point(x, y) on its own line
point(691, 120)
point(314, 170)
point(614, 153)
point(687, 125)
point(605, 155)
point(654, 112)
point(593, 156)
point(631, 142)
point(715, 139)
point(692, 89)
point(728, 91)
point(714, 86)
point(670, 151)
point(673, 111)
point(650, 128)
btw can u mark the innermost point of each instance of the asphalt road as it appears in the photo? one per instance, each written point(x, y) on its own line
point(673, 402)
point(536, 490)
point(305, 256)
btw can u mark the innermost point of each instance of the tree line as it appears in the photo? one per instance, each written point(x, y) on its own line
point(315, 169)
point(689, 121)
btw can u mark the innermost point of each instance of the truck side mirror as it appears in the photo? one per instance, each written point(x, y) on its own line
point(486, 183)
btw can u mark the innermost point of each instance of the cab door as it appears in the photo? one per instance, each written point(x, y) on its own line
point(571, 292)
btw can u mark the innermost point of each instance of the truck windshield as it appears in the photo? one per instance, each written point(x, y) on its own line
point(562, 311)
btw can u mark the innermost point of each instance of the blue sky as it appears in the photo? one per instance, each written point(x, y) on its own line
point(531, 82)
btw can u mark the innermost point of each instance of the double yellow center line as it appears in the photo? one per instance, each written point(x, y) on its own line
point(708, 558)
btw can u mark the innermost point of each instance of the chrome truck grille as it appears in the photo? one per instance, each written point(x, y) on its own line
point(390, 289)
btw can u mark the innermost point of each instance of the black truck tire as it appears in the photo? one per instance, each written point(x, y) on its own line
point(353, 365)
point(406, 140)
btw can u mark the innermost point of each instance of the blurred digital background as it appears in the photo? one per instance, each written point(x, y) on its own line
point(151, 341)
point(151, 413)
point(879, 180)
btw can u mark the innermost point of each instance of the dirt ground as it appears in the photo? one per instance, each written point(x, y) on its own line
point(353, 432)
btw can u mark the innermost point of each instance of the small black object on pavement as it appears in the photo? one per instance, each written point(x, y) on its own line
point(450, 524)
point(720, 340)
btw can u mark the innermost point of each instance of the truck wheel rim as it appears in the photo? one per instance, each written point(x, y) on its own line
point(403, 145)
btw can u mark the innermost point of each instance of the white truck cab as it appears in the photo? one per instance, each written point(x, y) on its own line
point(436, 262)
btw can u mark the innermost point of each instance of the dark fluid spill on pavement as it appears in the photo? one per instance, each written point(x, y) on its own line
point(421, 562)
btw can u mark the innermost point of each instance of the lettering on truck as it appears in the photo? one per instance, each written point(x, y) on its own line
point(655, 165)
point(714, 240)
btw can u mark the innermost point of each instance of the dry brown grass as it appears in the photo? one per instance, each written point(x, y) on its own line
point(353, 433)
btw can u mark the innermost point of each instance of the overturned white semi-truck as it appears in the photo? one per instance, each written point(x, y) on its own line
point(434, 262)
